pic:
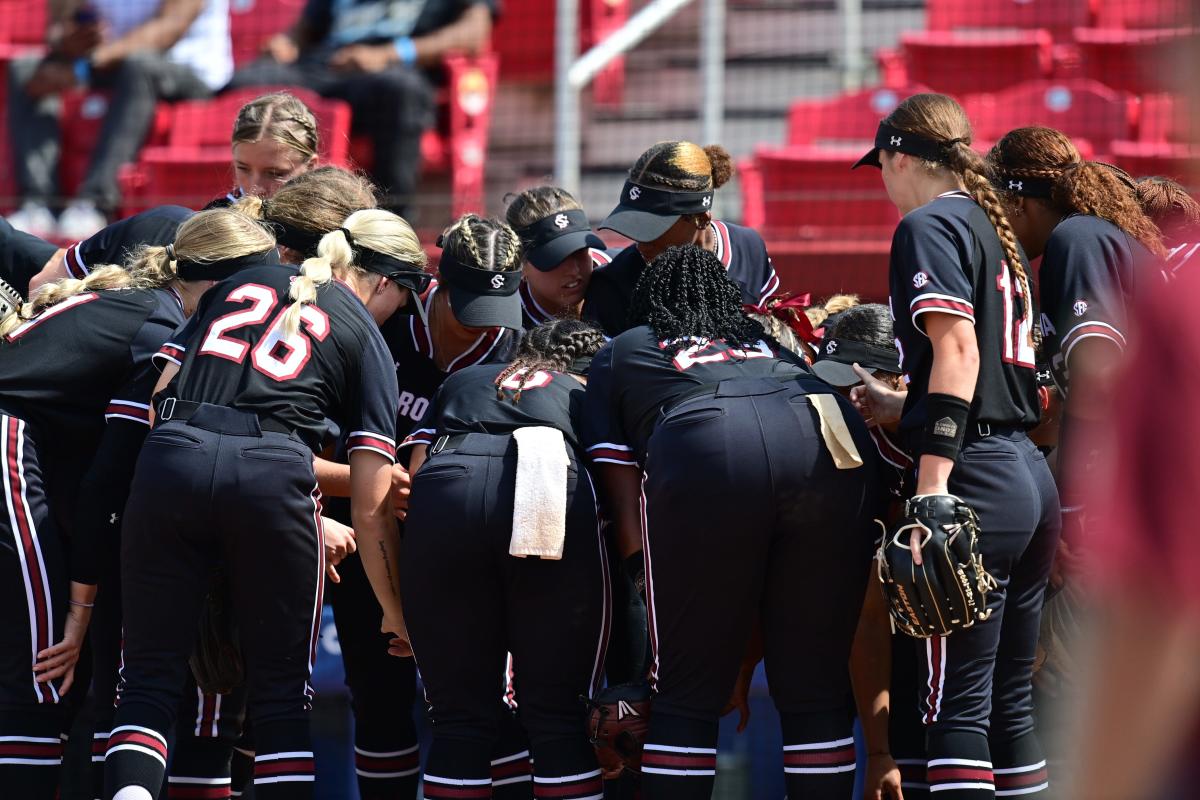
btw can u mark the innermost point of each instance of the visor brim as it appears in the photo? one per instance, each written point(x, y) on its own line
point(640, 226)
point(485, 310)
point(551, 254)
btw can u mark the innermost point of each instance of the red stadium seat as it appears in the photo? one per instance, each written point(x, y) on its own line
point(968, 63)
point(1079, 108)
point(846, 118)
point(1164, 118)
point(809, 193)
point(1180, 162)
point(1060, 17)
point(82, 116)
point(1139, 62)
point(1145, 13)
point(23, 22)
point(831, 266)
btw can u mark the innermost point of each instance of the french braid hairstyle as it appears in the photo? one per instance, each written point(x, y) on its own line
point(1079, 187)
point(372, 228)
point(483, 243)
point(281, 117)
point(552, 346)
point(1170, 207)
point(685, 294)
point(941, 118)
point(208, 236)
point(683, 166)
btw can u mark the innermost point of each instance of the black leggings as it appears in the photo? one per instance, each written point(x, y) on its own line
point(468, 604)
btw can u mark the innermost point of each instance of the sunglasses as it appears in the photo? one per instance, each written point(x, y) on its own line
point(415, 281)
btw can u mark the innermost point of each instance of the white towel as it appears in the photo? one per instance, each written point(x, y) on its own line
point(837, 436)
point(539, 525)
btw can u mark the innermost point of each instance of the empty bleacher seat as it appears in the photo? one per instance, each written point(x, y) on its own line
point(1145, 13)
point(1059, 17)
point(845, 118)
point(1180, 162)
point(1165, 118)
point(1138, 61)
point(1082, 109)
point(962, 63)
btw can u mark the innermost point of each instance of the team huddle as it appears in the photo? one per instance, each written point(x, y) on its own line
point(582, 493)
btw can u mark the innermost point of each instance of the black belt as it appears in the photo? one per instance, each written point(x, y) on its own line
point(174, 410)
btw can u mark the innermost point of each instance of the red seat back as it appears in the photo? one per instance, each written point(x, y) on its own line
point(1079, 108)
point(1140, 62)
point(843, 119)
point(969, 63)
point(1145, 13)
point(23, 21)
point(1060, 17)
point(1179, 162)
point(1165, 118)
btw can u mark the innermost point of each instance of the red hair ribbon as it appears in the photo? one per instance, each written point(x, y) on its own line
point(789, 309)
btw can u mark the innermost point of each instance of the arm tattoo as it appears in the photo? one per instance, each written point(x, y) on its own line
point(387, 565)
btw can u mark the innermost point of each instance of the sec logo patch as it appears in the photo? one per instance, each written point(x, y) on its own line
point(1080, 308)
point(920, 280)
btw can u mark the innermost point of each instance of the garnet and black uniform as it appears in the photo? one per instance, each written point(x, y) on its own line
point(228, 472)
point(62, 374)
point(382, 687)
point(740, 419)
point(532, 313)
point(115, 243)
point(976, 699)
point(740, 249)
point(468, 603)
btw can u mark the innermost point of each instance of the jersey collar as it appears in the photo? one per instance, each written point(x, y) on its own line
point(530, 306)
point(175, 294)
point(724, 249)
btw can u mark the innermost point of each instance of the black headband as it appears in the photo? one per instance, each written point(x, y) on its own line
point(1025, 187)
point(478, 281)
point(665, 202)
point(914, 144)
point(301, 241)
point(220, 270)
point(554, 226)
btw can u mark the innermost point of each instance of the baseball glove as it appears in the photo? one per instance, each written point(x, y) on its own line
point(949, 590)
point(10, 299)
point(617, 721)
point(216, 660)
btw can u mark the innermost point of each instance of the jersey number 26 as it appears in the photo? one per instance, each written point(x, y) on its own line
point(276, 356)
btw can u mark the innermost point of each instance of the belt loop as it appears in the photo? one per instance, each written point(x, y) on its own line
point(439, 445)
point(985, 429)
point(166, 409)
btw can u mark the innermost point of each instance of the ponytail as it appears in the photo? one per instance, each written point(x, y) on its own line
point(333, 253)
point(1097, 190)
point(51, 294)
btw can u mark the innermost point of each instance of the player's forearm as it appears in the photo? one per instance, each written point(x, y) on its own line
point(379, 547)
point(333, 478)
point(621, 486)
point(871, 670)
point(158, 34)
point(468, 35)
point(954, 373)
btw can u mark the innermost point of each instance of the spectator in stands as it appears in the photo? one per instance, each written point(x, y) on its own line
point(1177, 215)
point(378, 56)
point(143, 51)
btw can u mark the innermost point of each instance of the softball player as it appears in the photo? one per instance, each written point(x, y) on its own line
point(560, 253)
point(666, 201)
point(694, 397)
point(76, 358)
point(273, 353)
point(275, 139)
point(468, 602)
point(964, 318)
point(1177, 215)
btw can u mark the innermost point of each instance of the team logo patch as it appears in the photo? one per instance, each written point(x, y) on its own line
point(831, 348)
point(497, 281)
point(896, 140)
point(920, 279)
point(1080, 308)
point(945, 427)
point(634, 193)
point(561, 221)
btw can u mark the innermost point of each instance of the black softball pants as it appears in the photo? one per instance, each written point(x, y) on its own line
point(215, 486)
point(976, 695)
point(747, 518)
point(33, 597)
point(468, 603)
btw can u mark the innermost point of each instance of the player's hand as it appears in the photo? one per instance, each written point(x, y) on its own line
point(739, 700)
point(399, 645)
point(78, 41)
point(59, 660)
point(339, 543)
point(401, 490)
point(882, 781)
point(281, 48)
point(878, 403)
point(363, 58)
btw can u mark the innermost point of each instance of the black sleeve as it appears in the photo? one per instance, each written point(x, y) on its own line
point(930, 265)
point(602, 432)
point(1088, 299)
point(375, 403)
point(22, 256)
point(426, 427)
point(102, 495)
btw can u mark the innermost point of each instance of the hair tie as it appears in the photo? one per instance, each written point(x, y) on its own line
point(349, 236)
point(170, 252)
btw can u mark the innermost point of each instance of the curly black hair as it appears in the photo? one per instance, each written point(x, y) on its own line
point(686, 293)
point(552, 346)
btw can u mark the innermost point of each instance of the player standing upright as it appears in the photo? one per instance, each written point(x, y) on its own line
point(271, 357)
point(667, 201)
point(964, 321)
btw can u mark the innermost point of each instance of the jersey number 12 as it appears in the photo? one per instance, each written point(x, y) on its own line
point(276, 356)
point(1018, 331)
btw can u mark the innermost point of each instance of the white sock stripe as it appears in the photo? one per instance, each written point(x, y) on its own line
point(944, 787)
point(666, 748)
point(34, 739)
point(583, 776)
point(787, 748)
point(394, 754)
point(363, 773)
point(516, 779)
point(508, 759)
point(198, 781)
point(1041, 787)
point(278, 756)
point(1015, 770)
point(285, 779)
point(457, 781)
point(137, 748)
point(33, 762)
point(104, 735)
point(139, 729)
point(958, 762)
point(679, 773)
point(819, 770)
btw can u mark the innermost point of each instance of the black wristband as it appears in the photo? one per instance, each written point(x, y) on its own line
point(635, 567)
point(945, 425)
